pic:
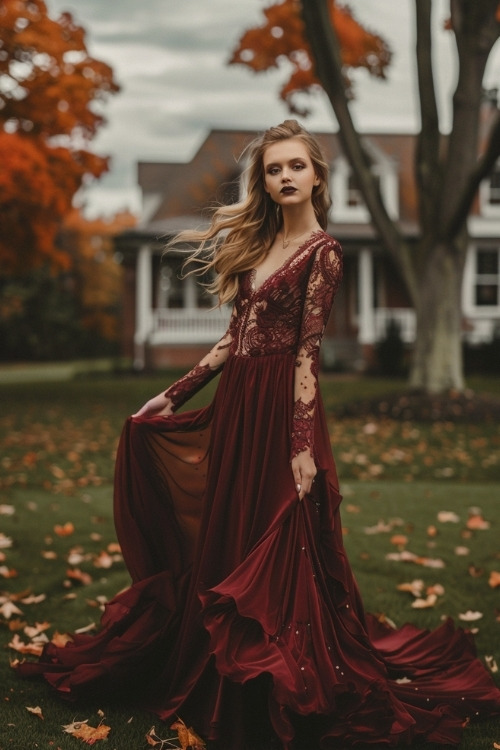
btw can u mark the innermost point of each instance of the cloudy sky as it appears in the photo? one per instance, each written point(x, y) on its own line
point(170, 56)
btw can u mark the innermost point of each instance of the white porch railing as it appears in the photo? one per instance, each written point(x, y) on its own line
point(191, 326)
point(404, 317)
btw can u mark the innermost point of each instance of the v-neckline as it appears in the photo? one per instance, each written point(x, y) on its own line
point(253, 271)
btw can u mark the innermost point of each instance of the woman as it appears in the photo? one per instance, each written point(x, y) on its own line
point(243, 614)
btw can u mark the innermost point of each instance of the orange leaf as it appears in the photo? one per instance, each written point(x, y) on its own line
point(75, 574)
point(187, 736)
point(494, 579)
point(36, 711)
point(88, 734)
point(66, 530)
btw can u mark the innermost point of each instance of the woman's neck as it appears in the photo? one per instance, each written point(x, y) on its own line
point(298, 223)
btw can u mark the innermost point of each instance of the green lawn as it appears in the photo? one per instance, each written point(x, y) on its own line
point(57, 444)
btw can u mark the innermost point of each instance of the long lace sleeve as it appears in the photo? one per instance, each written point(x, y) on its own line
point(324, 280)
point(211, 364)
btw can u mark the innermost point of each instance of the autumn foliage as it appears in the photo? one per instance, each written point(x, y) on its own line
point(50, 96)
point(282, 37)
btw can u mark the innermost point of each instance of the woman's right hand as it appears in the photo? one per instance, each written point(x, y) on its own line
point(157, 406)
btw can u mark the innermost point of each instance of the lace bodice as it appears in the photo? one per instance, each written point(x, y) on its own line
point(286, 314)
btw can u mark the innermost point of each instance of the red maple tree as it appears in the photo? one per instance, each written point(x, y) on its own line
point(282, 38)
point(51, 90)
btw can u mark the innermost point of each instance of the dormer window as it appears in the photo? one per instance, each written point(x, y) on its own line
point(347, 201)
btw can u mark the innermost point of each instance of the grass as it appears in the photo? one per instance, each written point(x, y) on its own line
point(57, 446)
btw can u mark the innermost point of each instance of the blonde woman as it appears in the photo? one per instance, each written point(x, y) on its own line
point(243, 617)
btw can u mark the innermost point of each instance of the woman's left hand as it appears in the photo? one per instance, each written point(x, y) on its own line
point(304, 470)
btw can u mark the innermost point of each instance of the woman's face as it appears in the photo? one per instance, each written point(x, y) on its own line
point(289, 175)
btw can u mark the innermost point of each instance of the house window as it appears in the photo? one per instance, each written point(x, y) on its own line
point(495, 186)
point(489, 193)
point(487, 282)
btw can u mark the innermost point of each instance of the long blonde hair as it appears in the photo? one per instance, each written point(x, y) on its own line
point(240, 234)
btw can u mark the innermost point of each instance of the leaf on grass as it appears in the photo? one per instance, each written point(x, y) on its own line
point(470, 616)
point(494, 579)
point(35, 710)
point(7, 510)
point(491, 664)
point(86, 628)
point(476, 522)
point(8, 608)
point(412, 587)
point(6, 572)
point(407, 556)
point(34, 649)
point(88, 734)
point(49, 554)
point(37, 629)
point(64, 529)
point(61, 639)
point(436, 588)
point(462, 551)
point(383, 527)
point(5, 541)
point(475, 572)
point(429, 601)
point(33, 599)
point(399, 540)
point(447, 516)
point(187, 736)
point(75, 574)
point(154, 741)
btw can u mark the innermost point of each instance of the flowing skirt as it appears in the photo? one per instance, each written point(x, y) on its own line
point(243, 611)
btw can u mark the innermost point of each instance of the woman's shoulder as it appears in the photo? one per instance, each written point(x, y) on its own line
point(328, 256)
point(325, 243)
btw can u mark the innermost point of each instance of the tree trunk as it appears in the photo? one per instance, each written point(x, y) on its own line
point(437, 357)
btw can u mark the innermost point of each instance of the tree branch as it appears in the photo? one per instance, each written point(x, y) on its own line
point(326, 52)
point(483, 168)
point(427, 164)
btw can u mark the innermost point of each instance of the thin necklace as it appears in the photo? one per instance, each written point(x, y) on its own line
point(286, 242)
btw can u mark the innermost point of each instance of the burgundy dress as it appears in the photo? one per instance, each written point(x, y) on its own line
point(243, 608)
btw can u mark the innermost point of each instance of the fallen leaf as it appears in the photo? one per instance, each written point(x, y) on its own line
point(86, 628)
point(83, 731)
point(75, 574)
point(36, 710)
point(470, 616)
point(477, 523)
point(5, 541)
point(64, 530)
point(61, 639)
point(432, 531)
point(6, 572)
point(399, 540)
point(494, 579)
point(8, 608)
point(436, 588)
point(491, 663)
point(34, 649)
point(462, 551)
point(7, 510)
point(39, 627)
point(412, 587)
point(187, 736)
point(429, 601)
point(447, 516)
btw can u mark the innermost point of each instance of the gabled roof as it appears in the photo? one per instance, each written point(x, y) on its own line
point(185, 188)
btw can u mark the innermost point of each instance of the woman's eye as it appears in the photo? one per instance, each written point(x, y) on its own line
point(273, 170)
point(298, 166)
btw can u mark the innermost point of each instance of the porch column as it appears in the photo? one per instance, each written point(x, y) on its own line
point(143, 305)
point(366, 329)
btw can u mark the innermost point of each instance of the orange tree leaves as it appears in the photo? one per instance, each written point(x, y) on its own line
point(48, 89)
point(282, 37)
